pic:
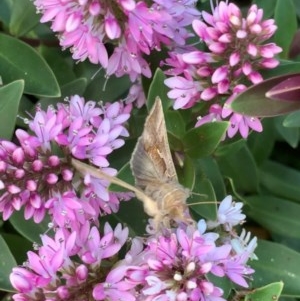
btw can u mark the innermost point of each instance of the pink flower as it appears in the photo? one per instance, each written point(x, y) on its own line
point(237, 53)
point(133, 27)
point(33, 178)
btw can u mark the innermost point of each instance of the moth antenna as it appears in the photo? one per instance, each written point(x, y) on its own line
point(204, 203)
point(200, 194)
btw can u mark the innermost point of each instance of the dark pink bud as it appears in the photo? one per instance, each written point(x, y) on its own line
point(31, 185)
point(18, 155)
point(19, 173)
point(52, 178)
point(63, 292)
point(94, 8)
point(21, 280)
point(82, 272)
point(37, 165)
point(255, 77)
point(67, 175)
point(8, 146)
point(16, 203)
point(13, 189)
point(35, 200)
point(53, 161)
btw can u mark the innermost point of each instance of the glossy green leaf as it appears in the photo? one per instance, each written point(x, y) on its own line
point(10, 96)
point(289, 134)
point(292, 120)
point(28, 228)
point(286, 20)
point(61, 65)
point(132, 214)
point(240, 166)
point(18, 245)
point(222, 282)
point(158, 88)
point(269, 292)
point(5, 11)
point(7, 262)
point(175, 123)
point(75, 87)
point(25, 106)
point(202, 141)
point(280, 180)
point(105, 89)
point(261, 145)
point(275, 214)
point(39, 78)
point(186, 175)
point(23, 17)
point(228, 148)
point(277, 263)
point(254, 101)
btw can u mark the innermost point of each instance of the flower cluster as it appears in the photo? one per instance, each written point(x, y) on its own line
point(38, 174)
point(174, 265)
point(135, 28)
point(237, 51)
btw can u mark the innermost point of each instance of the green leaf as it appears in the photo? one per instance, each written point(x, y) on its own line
point(244, 175)
point(255, 101)
point(186, 175)
point(28, 228)
point(10, 96)
point(261, 145)
point(5, 11)
point(203, 200)
point(269, 292)
point(277, 263)
point(18, 246)
point(39, 78)
point(132, 214)
point(275, 214)
point(76, 87)
point(202, 141)
point(158, 88)
point(280, 180)
point(61, 65)
point(290, 135)
point(25, 106)
point(292, 120)
point(210, 170)
point(7, 262)
point(286, 20)
point(175, 123)
point(23, 17)
point(102, 88)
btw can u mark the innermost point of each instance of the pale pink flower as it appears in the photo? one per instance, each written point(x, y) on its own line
point(135, 28)
point(237, 54)
point(42, 183)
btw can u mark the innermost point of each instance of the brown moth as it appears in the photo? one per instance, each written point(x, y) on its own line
point(154, 171)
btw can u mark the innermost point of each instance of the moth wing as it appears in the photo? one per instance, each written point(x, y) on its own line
point(151, 161)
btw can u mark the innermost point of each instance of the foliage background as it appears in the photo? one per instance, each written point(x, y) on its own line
point(262, 171)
